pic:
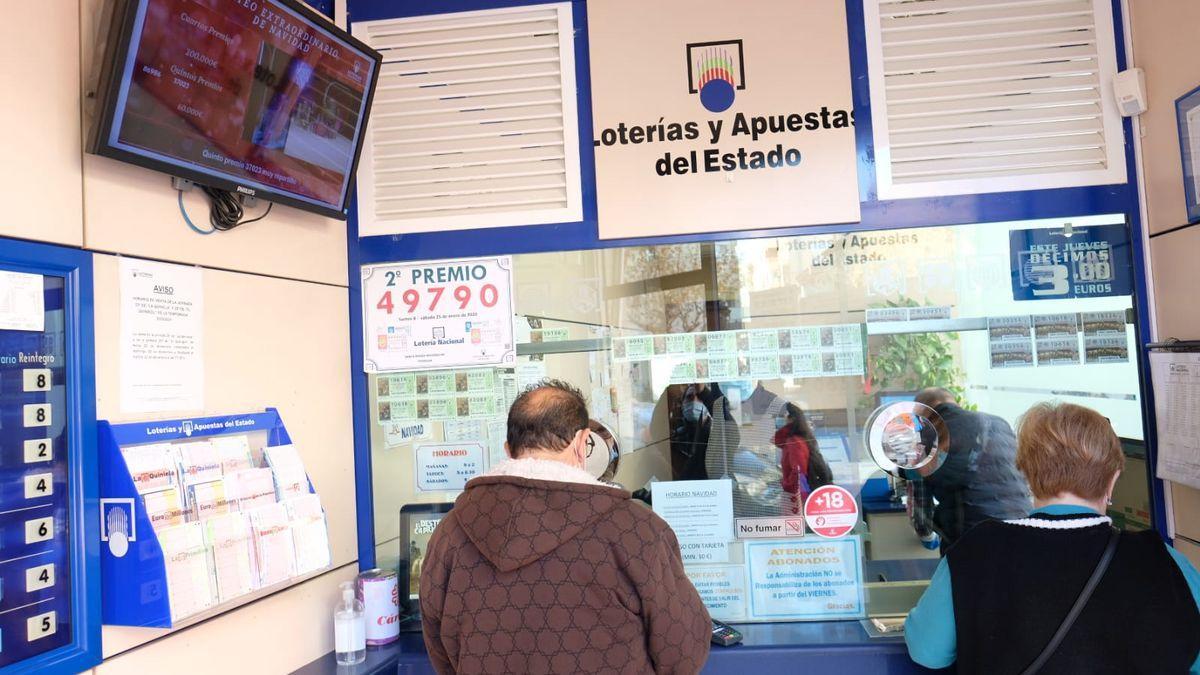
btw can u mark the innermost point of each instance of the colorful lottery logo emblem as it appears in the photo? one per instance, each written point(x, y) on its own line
point(716, 72)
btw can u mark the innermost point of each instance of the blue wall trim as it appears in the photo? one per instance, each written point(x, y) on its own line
point(373, 10)
point(364, 485)
point(876, 214)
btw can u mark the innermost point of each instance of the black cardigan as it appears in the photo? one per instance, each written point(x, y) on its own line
point(1013, 582)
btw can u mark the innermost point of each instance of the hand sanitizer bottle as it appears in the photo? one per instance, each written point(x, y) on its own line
point(349, 628)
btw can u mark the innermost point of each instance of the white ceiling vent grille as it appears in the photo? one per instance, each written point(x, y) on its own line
point(473, 124)
point(974, 96)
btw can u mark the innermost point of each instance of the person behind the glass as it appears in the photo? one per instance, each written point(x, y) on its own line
point(918, 492)
point(689, 439)
point(798, 448)
point(1005, 588)
point(977, 478)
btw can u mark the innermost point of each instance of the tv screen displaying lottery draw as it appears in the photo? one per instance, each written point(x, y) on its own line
point(250, 91)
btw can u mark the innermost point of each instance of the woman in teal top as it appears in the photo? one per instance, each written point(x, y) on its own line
point(1002, 591)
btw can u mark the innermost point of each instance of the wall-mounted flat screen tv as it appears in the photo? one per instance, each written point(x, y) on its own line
point(261, 97)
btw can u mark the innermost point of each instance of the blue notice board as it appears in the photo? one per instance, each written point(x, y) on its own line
point(48, 581)
point(1081, 262)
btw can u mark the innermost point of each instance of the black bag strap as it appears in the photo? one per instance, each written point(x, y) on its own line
point(1093, 581)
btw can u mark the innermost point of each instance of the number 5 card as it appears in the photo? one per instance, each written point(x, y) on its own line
point(438, 314)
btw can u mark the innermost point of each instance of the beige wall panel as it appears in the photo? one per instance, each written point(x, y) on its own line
point(277, 634)
point(1164, 38)
point(134, 211)
point(1186, 503)
point(267, 342)
point(1176, 278)
point(40, 180)
point(1163, 33)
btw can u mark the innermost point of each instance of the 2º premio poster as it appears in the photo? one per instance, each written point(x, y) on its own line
point(438, 314)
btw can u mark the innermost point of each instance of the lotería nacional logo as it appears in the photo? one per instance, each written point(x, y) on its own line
point(716, 71)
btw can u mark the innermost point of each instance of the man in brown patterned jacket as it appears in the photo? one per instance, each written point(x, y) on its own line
point(540, 568)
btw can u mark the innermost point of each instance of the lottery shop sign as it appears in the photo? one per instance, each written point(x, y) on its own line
point(831, 512)
point(712, 116)
point(438, 314)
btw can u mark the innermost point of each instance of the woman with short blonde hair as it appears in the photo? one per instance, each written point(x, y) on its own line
point(1059, 591)
point(1067, 449)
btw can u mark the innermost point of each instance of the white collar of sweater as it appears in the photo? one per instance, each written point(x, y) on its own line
point(542, 469)
point(1080, 521)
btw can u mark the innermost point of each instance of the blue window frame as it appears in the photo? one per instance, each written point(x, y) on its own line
point(583, 235)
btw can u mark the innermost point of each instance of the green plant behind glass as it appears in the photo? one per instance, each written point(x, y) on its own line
point(914, 361)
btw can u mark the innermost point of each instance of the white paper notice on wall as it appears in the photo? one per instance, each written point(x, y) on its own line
point(162, 345)
point(22, 305)
point(1177, 409)
point(698, 134)
point(696, 509)
point(438, 314)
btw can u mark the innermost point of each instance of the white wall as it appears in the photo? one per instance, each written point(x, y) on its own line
point(40, 175)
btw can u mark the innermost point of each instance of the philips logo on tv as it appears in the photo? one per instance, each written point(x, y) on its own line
point(245, 190)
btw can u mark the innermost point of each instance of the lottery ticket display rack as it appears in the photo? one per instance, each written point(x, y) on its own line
point(133, 564)
point(49, 562)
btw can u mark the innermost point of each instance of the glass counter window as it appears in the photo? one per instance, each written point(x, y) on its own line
point(738, 379)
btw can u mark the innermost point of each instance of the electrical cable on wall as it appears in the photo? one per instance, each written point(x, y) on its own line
point(188, 220)
point(225, 209)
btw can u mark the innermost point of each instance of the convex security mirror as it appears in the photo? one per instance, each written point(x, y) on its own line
point(906, 436)
point(603, 454)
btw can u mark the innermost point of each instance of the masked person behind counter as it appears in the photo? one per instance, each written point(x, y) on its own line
point(1006, 587)
point(978, 479)
point(540, 568)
